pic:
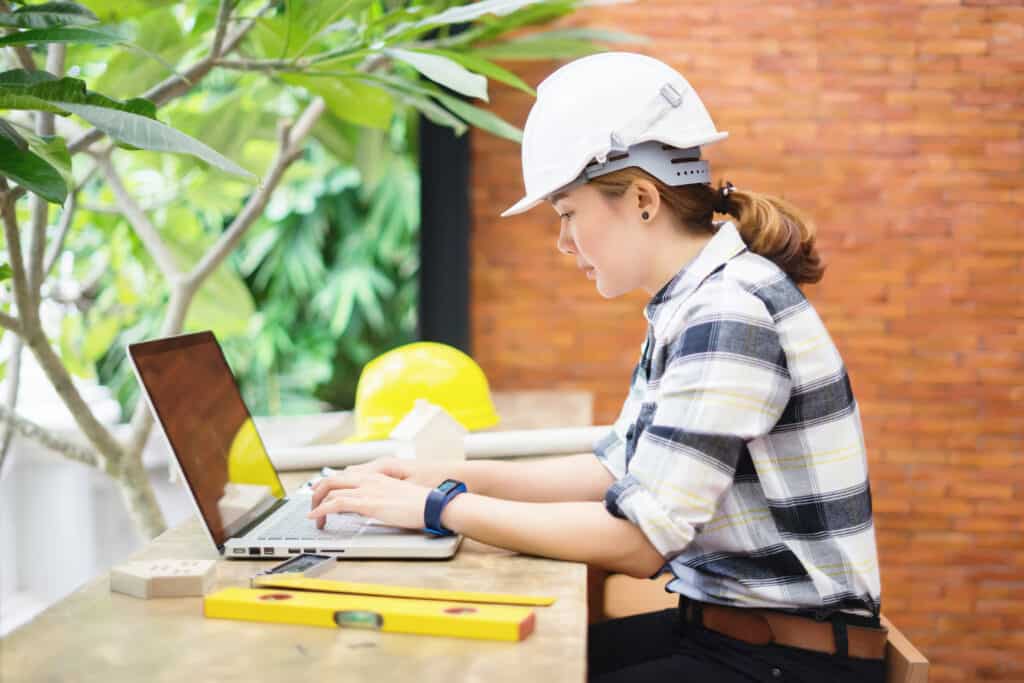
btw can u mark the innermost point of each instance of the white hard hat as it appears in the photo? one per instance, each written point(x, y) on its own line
point(621, 109)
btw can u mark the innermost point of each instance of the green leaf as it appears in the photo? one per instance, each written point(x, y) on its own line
point(481, 118)
point(32, 172)
point(445, 71)
point(348, 99)
point(117, 10)
point(25, 77)
point(235, 125)
point(18, 84)
point(330, 132)
point(531, 50)
point(129, 72)
point(11, 133)
point(5, 272)
point(91, 36)
point(482, 66)
point(599, 35)
point(13, 93)
point(53, 150)
point(99, 336)
point(49, 15)
point(435, 112)
point(145, 133)
point(558, 44)
point(458, 15)
point(529, 15)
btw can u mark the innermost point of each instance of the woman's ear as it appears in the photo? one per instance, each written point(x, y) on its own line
point(648, 200)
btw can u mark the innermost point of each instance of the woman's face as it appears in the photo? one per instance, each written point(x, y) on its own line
point(606, 239)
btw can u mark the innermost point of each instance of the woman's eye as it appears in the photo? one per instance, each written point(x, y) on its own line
point(567, 214)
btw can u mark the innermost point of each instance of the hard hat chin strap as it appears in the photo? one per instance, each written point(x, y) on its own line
point(667, 99)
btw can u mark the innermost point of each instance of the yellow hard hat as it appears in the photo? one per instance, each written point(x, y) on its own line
point(390, 384)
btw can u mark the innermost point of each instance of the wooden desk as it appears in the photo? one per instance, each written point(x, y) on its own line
point(96, 635)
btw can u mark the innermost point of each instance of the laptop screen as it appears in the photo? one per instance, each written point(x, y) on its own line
point(196, 399)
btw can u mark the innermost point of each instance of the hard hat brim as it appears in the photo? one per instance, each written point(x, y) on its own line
point(522, 206)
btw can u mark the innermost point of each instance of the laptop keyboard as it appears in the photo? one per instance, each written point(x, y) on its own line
point(293, 525)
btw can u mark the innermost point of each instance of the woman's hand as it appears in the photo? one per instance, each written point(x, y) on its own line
point(428, 474)
point(390, 498)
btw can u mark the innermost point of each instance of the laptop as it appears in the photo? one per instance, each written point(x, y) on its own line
point(234, 485)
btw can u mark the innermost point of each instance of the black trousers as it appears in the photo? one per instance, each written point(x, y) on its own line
point(662, 647)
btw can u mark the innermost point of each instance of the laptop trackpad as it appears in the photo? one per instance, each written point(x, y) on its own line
point(375, 527)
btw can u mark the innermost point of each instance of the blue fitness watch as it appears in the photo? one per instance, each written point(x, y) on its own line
point(436, 500)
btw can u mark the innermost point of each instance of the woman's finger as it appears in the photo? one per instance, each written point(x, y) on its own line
point(338, 501)
point(339, 481)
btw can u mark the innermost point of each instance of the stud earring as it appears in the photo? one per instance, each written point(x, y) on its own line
point(645, 215)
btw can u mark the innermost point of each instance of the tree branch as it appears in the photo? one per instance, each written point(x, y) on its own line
point(20, 279)
point(289, 149)
point(14, 384)
point(146, 231)
point(39, 207)
point(9, 322)
point(259, 64)
point(223, 17)
point(31, 430)
point(177, 85)
point(70, 206)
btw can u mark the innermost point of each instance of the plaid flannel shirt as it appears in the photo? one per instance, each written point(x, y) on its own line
point(739, 451)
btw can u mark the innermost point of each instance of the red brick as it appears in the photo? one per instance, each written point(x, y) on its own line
point(899, 127)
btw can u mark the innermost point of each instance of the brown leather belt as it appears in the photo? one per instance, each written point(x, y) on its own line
point(763, 627)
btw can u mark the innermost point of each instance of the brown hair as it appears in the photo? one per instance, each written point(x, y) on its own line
point(771, 227)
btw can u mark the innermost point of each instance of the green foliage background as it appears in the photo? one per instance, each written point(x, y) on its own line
point(326, 279)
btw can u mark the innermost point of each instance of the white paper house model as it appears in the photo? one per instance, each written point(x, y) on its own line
point(428, 432)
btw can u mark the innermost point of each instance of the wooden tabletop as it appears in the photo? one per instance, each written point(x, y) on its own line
point(94, 634)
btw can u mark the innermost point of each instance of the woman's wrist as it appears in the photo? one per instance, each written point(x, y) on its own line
point(453, 514)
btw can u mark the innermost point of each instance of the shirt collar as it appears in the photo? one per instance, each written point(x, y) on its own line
point(724, 245)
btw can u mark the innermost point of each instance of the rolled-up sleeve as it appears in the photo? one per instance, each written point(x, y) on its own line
point(725, 382)
point(610, 449)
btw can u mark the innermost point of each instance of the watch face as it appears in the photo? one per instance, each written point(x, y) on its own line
point(447, 485)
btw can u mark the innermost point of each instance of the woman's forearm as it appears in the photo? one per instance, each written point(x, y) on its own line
point(552, 479)
point(575, 531)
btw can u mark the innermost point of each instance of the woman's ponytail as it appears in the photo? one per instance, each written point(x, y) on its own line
point(775, 229)
point(771, 227)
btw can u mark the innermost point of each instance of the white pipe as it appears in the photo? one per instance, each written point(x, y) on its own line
point(509, 444)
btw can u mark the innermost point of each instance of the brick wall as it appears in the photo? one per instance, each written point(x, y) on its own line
point(898, 128)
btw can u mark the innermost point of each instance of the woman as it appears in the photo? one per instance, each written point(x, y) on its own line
point(738, 460)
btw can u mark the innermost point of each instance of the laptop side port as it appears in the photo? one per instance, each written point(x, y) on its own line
point(309, 550)
point(294, 551)
point(336, 552)
point(268, 551)
point(254, 551)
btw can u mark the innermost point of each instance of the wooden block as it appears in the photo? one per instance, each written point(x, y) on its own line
point(428, 432)
point(163, 578)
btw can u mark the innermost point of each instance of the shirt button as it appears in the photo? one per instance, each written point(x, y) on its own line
point(776, 672)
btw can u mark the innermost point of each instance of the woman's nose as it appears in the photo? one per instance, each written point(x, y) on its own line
point(565, 242)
